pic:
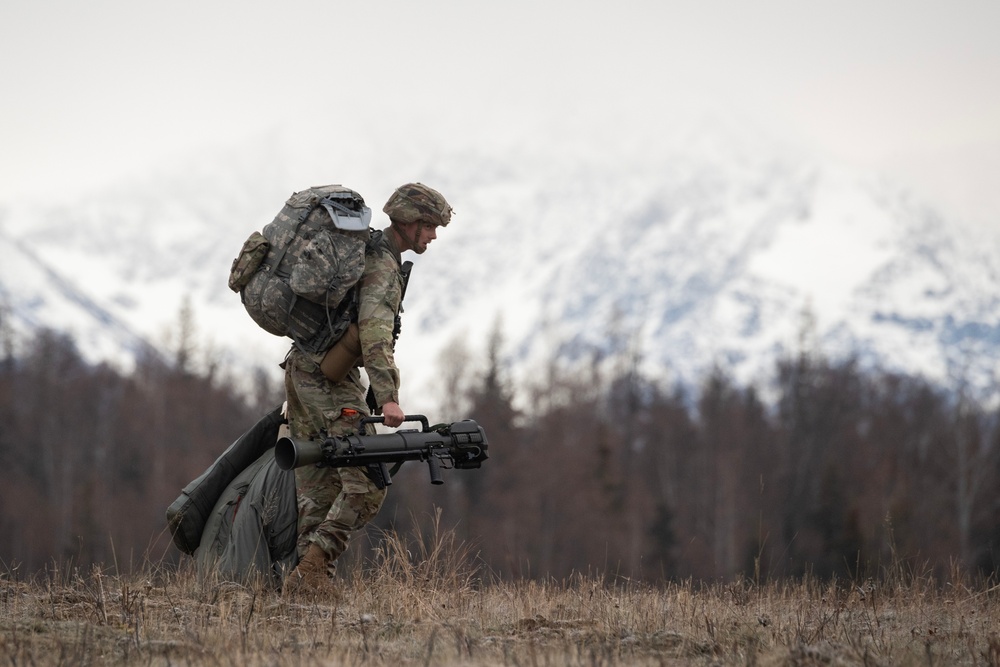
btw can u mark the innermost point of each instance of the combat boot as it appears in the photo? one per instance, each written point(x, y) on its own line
point(310, 577)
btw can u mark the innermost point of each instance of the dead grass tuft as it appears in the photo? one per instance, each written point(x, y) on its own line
point(423, 600)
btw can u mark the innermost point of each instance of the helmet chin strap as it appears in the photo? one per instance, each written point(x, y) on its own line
point(412, 239)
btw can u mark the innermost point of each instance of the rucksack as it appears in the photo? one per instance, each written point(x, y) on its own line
point(298, 276)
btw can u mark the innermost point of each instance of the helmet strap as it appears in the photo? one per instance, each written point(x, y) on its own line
point(411, 239)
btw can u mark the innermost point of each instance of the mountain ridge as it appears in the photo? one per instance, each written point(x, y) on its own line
point(705, 249)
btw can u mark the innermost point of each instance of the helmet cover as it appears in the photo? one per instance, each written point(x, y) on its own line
point(415, 202)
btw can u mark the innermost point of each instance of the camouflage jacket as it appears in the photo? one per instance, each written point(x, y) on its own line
point(380, 297)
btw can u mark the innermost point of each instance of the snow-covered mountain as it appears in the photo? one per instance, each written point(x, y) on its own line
point(710, 244)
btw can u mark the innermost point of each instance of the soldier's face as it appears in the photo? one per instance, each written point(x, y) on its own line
point(423, 234)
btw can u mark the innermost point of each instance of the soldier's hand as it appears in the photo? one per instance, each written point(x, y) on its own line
point(392, 414)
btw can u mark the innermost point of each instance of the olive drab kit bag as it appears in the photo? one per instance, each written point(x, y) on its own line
point(296, 277)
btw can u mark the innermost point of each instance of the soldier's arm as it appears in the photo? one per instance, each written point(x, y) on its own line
point(379, 300)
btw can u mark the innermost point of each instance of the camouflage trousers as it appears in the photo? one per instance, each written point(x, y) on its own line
point(332, 502)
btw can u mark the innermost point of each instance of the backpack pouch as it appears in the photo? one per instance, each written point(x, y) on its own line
point(248, 261)
point(331, 263)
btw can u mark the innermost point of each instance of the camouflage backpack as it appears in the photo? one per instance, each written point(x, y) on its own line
point(297, 277)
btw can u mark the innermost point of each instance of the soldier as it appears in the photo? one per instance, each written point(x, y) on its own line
point(334, 502)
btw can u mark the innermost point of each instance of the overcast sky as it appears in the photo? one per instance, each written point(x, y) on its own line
point(95, 91)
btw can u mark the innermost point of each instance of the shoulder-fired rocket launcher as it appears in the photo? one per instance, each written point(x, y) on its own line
point(461, 445)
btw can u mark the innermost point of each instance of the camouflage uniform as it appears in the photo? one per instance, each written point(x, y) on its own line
point(334, 502)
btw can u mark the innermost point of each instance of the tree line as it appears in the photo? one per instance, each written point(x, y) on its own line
point(91, 453)
point(840, 472)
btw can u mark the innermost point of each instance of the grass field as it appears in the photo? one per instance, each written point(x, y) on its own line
point(427, 605)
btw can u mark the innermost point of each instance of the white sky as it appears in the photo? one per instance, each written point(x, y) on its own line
point(94, 91)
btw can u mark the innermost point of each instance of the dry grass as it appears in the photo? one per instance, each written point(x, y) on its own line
point(421, 603)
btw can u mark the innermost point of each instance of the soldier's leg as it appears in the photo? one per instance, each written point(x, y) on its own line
point(317, 408)
point(316, 491)
point(357, 504)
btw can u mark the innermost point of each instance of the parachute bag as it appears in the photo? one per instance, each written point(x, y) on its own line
point(304, 286)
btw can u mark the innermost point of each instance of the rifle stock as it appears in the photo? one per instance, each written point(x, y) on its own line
point(461, 445)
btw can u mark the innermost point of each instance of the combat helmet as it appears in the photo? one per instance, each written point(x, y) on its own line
point(415, 202)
